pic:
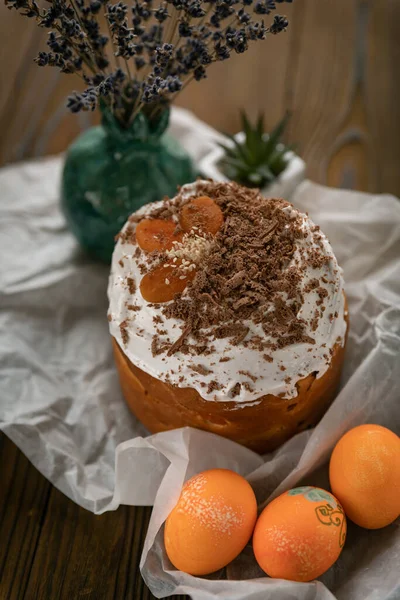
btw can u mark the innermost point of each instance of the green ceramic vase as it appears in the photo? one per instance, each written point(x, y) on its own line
point(110, 172)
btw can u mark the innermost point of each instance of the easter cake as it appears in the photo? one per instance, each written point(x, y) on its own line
point(228, 314)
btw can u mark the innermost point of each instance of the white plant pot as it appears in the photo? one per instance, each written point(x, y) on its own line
point(283, 186)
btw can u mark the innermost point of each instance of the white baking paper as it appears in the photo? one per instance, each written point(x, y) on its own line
point(60, 400)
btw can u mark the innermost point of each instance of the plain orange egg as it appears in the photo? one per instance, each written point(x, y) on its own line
point(300, 534)
point(364, 473)
point(211, 523)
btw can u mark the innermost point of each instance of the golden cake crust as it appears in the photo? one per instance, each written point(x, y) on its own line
point(262, 427)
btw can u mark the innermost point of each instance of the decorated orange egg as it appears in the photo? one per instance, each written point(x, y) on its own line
point(211, 523)
point(300, 534)
point(364, 474)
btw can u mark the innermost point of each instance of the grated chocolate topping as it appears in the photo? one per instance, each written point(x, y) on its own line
point(131, 285)
point(245, 275)
point(123, 327)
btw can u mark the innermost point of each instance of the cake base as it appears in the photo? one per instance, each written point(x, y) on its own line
point(262, 427)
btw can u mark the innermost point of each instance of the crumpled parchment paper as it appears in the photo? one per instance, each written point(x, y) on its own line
point(60, 400)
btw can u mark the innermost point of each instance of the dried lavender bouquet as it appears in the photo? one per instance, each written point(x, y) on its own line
point(137, 57)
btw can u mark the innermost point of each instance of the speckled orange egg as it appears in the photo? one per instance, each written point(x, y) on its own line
point(211, 523)
point(300, 534)
point(364, 473)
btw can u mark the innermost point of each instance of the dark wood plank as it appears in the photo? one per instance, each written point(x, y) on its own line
point(23, 504)
point(79, 555)
point(344, 91)
point(320, 81)
point(382, 88)
point(53, 549)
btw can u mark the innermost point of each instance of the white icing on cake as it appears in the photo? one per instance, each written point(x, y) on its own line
point(279, 377)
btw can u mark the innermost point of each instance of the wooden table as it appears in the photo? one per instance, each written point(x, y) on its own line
point(337, 70)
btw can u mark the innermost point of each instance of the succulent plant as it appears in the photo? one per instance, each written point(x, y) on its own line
point(259, 158)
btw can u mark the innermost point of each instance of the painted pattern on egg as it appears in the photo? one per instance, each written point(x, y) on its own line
point(313, 494)
point(330, 514)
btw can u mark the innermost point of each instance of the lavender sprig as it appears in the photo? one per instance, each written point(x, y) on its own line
point(149, 50)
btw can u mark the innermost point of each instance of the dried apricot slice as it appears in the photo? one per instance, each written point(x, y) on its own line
point(156, 234)
point(163, 282)
point(203, 213)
